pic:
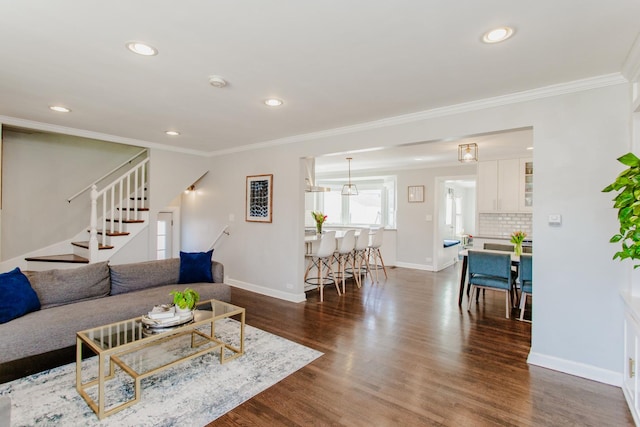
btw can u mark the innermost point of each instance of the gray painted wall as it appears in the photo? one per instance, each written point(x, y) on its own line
point(578, 310)
point(40, 171)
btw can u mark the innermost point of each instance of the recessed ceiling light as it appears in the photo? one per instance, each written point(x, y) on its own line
point(529, 148)
point(273, 102)
point(497, 35)
point(217, 81)
point(142, 48)
point(172, 133)
point(59, 109)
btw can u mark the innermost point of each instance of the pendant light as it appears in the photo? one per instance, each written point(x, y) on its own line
point(349, 189)
point(468, 152)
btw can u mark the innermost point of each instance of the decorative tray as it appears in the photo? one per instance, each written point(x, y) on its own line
point(166, 323)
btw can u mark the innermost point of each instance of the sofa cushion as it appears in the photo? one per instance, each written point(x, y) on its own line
point(18, 297)
point(141, 275)
point(59, 287)
point(55, 328)
point(195, 267)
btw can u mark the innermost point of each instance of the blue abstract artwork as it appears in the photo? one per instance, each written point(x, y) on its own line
point(259, 198)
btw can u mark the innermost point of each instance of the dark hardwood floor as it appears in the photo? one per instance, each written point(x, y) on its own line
point(401, 353)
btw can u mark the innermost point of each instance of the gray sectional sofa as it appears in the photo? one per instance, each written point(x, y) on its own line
point(93, 295)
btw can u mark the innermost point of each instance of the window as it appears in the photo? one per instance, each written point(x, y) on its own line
point(375, 204)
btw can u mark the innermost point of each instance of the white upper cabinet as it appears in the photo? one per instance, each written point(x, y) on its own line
point(501, 186)
point(526, 185)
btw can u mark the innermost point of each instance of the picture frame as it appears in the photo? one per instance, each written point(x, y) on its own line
point(259, 198)
point(416, 193)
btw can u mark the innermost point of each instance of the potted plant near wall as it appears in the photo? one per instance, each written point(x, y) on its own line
point(627, 201)
point(185, 301)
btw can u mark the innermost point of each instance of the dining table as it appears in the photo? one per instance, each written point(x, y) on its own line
point(515, 261)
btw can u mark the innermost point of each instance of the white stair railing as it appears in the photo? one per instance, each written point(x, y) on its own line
point(225, 230)
point(113, 200)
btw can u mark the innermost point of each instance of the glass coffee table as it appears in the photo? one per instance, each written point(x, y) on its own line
point(141, 351)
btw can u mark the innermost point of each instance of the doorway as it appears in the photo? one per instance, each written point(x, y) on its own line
point(455, 208)
point(164, 235)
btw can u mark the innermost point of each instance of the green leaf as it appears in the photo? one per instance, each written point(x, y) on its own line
point(629, 159)
point(616, 238)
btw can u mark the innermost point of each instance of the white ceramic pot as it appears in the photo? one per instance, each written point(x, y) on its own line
point(183, 312)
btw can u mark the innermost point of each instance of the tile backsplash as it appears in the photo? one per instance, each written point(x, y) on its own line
point(503, 224)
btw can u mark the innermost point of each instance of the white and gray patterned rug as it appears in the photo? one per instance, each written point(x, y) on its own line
point(193, 393)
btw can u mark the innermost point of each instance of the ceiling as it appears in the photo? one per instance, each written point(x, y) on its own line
point(334, 63)
point(492, 146)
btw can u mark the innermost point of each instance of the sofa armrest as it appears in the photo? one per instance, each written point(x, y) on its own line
point(217, 270)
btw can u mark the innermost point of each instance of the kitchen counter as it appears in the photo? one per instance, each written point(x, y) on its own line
point(479, 241)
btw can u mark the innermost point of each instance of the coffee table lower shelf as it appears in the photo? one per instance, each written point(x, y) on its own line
point(139, 354)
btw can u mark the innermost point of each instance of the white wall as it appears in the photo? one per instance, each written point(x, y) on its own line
point(170, 174)
point(41, 170)
point(577, 136)
point(415, 241)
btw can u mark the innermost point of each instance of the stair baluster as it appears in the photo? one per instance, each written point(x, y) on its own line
point(112, 206)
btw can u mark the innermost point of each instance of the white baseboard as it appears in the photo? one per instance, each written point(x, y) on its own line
point(425, 267)
point(266, 291)
point(575, 368)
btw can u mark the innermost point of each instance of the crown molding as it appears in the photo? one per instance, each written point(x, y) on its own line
point(517, 97)
point(631, 66)
point(48, 127)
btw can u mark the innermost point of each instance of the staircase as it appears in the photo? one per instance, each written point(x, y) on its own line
point(119, 211)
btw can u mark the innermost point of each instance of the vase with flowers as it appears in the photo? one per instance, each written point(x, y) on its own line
point(517, 237)
point(319, 218)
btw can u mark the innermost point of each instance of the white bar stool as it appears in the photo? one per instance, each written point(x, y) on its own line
point(323, 257)
point(344, 254)
point(374, 252)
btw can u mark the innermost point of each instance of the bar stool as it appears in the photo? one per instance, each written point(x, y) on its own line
point(344, 254)
point(374, 252)
point(323, 257)
point(360, 255)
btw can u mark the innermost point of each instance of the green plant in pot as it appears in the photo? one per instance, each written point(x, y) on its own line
point(186, 300)
point(627, 201)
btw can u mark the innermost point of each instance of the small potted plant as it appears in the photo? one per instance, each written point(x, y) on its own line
point(517, 237)
point(185, 301)
point(319, 218)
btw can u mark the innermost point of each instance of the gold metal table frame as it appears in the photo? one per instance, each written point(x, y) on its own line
point(115, 341)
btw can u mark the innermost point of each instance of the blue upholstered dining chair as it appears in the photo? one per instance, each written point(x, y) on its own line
point(526, 281)
point(489, 270)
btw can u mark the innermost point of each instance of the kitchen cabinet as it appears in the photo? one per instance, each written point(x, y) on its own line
point(499, 186)
point(505, 185)
point(526, 183)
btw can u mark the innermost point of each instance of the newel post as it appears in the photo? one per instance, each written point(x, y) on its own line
point(93, 224)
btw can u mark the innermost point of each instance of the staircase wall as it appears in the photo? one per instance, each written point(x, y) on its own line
point(170, 173)
point(40, 171)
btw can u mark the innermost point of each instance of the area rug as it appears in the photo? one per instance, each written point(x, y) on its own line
point(193, 393)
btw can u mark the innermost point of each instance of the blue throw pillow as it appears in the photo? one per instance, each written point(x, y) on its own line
point(195, 267)
point(18, 297)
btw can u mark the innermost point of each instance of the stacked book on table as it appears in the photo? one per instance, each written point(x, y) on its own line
point(163, 314)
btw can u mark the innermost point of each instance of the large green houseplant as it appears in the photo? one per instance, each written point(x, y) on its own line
point(627, 201)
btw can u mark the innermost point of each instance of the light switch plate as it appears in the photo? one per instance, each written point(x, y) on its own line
point(555, 219)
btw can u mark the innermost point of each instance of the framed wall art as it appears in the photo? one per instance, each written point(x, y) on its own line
point(259, 198)
point(416, 193)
